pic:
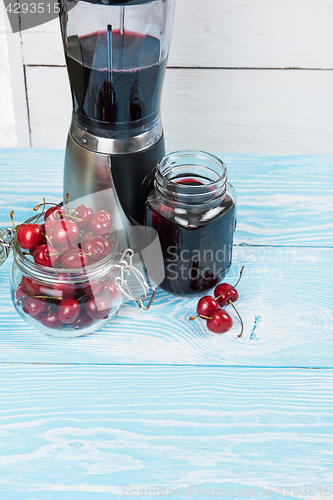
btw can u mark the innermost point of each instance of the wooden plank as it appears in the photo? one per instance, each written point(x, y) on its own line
point(294, 324)
point(15, 73)
point(83, 431)
point(43, 44)
point(278, 283)
point(227, 33)
point(282, 200)
point(8, 137)
point(254, 111)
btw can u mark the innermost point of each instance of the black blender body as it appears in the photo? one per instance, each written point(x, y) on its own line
point(116, 54)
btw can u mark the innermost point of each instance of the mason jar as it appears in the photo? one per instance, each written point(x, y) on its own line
point(71, 302)
point(193, 209)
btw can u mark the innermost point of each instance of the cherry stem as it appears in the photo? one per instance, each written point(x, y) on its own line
point(91, 291)
point(48, 239)
point(192, 318)
point(37, 207)
point(43, 210)
point(240, 275)
point(66, 200)
point(240, 319)
point(11, 215)
point(72, 217)
point(44, 297)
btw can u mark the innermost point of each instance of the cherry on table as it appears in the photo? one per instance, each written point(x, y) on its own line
point(69, 310)
point(29, 236)
point(206, 306)
point(98, 307)
point(45, 255)
point(101, 223)
point(224, 292)
point(220, 322)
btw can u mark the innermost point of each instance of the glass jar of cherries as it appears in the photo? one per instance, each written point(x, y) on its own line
point(193, 209)
point(69, 278)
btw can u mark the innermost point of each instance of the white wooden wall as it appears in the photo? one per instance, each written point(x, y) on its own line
point(243, 76)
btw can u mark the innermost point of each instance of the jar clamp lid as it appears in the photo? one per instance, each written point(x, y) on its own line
point(6, 239)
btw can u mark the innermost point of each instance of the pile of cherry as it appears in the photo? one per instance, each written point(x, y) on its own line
point(67, 239)
point(210, 308)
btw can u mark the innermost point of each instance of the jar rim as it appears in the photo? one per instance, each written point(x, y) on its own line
point(91, 271)
point(169, 161)
point(208, 169)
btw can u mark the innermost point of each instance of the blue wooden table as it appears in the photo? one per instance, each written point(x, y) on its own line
point(156, 406)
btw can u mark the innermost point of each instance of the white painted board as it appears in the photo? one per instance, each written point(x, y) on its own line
point(227, 33)
point(255, 111)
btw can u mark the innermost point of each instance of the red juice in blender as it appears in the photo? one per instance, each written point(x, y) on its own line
point(125, 92)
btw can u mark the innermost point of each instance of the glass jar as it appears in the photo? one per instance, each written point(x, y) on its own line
point(71, 302)
point(193, 209)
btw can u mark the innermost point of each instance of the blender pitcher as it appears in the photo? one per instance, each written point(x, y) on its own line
point(116, 55)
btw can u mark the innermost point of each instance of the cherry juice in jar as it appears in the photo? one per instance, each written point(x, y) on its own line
point(193, 209)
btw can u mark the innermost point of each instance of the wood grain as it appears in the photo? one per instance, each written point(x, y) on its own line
point(289, 288)
point(282, 200)
point(77, 432)
point(227, 33)
point(216, 110)
point(277, 290)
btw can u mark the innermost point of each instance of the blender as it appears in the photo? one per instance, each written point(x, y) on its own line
point(116, 55)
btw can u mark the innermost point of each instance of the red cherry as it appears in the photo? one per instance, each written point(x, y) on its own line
point(48, 230)
point(98, 307)
point(90, 289)
point(112, 290)
point(97, 247)
point(206, 306)
point(58, 290)
point(74, 258)
point(82, 321)
point(29, 236)
point(54, 213)
point(69, 310)
point(20, 292)
point(101, 223)
point(83, 215)
point(33, 306)
point(51, 319)
point(220, 322)
point(224, 292)
point(30, 286)
point(45, 255)
point(65, 233)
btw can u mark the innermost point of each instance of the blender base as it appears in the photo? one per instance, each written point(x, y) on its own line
point(88, 174)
